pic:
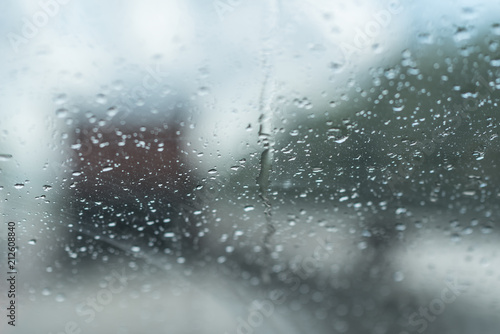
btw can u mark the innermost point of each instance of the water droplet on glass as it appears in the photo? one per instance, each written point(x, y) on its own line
point(341, 139)
point(343, 198)
point(400, 227)
point(111, 112)
point(336, 67)
point(62, 113)
point(249, 208)
point(60, 99)
point(462, 34)
point(495, 62)
point(60, 298)
point(338, 135)
point(362, 245)
point(5, 157)
point(101, 98)
point(486, 229)
point(202, 91)
point(398, 276)
point(425, 38)
point(495, 29)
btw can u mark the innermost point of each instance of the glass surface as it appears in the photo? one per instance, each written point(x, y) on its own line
point(236, 166)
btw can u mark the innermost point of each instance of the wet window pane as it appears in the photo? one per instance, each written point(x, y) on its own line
point(235, 166)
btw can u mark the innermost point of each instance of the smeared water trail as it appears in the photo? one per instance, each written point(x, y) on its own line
point(266, 127)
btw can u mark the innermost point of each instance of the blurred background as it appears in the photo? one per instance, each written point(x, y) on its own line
point(235, 166)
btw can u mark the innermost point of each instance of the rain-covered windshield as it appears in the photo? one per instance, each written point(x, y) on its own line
point(236, 166)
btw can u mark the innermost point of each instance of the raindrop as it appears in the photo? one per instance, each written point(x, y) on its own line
point(249, 208)
point(339, 134)
point(19, 185)
point(336, 67)
point(5, 157)
point(60, 99)
point(398, 276)
point(455, 237)
point(467, 231)
point(362, 245)
point(101, 99)
point(203, 91)
point(340, 139)
point(486, 229)
point(495, 28)
point(469, 13)
point(495, 63)
point(343, 198)
point(366, 233)
point(118, 85)
point(469, 192)
point(425, 38)
point(462, 34)
point(391, 73)
point(111, 112)
point(62, 113)
point(400, 227)
point(60, 298)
